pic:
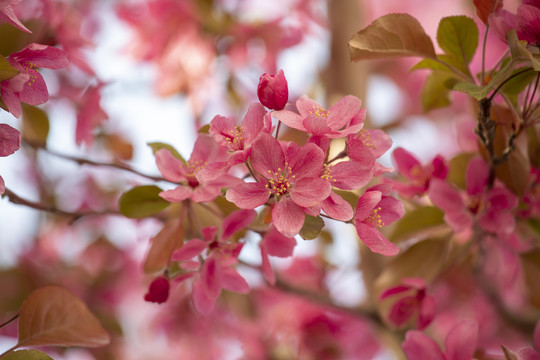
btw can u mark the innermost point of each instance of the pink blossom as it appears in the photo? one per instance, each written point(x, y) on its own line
point(526, 22)
point(275, 244)
point(205, 151)
point(344, 118)
point(374, 210)
point(492, 208)
point(366, 146)
point(290, 176)
point(8, 13)
point(238, 139)
point(217, 272)
point(28, 86)
point(419, 176)
point(10, 141)
point(460, 343)
point(90, 114)
point(413, 300)
point(158, 291)
point(273, 91)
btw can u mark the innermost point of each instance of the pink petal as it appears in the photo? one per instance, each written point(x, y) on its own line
point(288, 217)
point(316, 125)
point(253, 122)
point(343, 111)
point(273, 91)
point(204, 150)
point(337, 208)
point(237, 221)
point(177, 194)
point(427, 312)
point(205, 193)
point(536, 337)
point(276, 244)
point(248, 195)
point(2, 186)
point(305, 161)
point(35, 90)
point(203, 302)
point(366, 204)
point(11, 99)
point(375, 241)
point(391, 209)
point(440, 167)
point(267, 155)
point(461, 341)
point(310, 191)
point(306, 106)
point(290, 119)
point(267, 270)
point(169, 166)
point(10, 140)
point(402, 310)
point(528, 354)
point(221, 128)
point(406, 163)
point(358, 151)
point(444, 196)
point(393, 291)
point(477, 176)
point(11, 17)
point(381, 142)
point(419, 346)
point(42, 56)
point(232, 281)
point(350, 175)
point(189, 250)
point(158, 291)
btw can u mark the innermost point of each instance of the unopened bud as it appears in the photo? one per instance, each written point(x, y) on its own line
point(273, 91)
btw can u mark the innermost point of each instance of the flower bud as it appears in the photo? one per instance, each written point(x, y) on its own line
point(273, 91)
point(158, 291)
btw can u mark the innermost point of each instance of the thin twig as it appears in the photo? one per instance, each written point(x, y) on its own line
point(10, 320)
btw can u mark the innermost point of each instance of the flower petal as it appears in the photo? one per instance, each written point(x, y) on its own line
point(267, 155)
point(288, 217)
point(337, 208)
point(417, 345)
point(10, 140)
point(177, 194)
point(248, 195)
point(276, 244)
point(169, 166)
point(350, 175)
point(461, 341)
point(189, 250)
point(310, 191)
point(305, 161)
point(375, 241)
point(237, 221)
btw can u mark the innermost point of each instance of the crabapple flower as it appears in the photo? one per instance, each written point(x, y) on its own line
point(239, 139)
point(344, 118)
point(366, 146)
point(460, 343)
point(28, 86)
point(217, 272)
point(412, 300)
point(419, 175)
point(273, 91)
point(8, 13)
point(275, 244)
point(158, 291)
point(10, 141)
point(525, 21)
point(491, 208)
point(192, 186)
point(374, 210)
point(290, 175)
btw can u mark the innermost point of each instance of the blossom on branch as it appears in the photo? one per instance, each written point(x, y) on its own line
point(273, 91)
point(10, 141)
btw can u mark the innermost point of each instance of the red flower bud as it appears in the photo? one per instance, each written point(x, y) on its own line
point(273, 91)
point(158, 291)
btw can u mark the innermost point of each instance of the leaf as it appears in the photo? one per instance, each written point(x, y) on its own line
point(159, 145)
point(142, 201)
point(519, 51)
point(35, 127)
point(415, 222)
point(458, 168)
point(6, 70)
point(484, 8)
point(169, 238)
point(531, 268)
point(389, 36)
point(435, 91)
point(26, 355)
point(518, 82)
point(533, 146)
point(477, 92)
point(458, 36)
point(312, 227)
point(53, 316)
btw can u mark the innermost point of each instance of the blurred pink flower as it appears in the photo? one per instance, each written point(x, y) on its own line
point(290, 175)
point(10, 141)
point(273, 91)
point(374, 210)
point(460, 343)
point(8, 13)
point(28, 86)
point(526, 21)
point(275, 244)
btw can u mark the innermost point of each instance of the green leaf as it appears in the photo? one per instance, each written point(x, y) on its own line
point(519, 51)
point(477, 92)
point(159, 145)
point(6, 70)
point(205, 129)
point(435, 91)
point(458, 168)
point(312, 227)
point(415, 222)
point(142, 201)
point(389, 36)
point(36, 126)
point(26, 355)
point(458, 37)
point(53, 316)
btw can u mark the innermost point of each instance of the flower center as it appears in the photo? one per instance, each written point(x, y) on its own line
point(365, 136)
point(475, 204)
point(319, 112)
point(192, 168)
point(327, 173)
point(30, 69)
point(235, 138)
point(279, 181)
point(375, 218)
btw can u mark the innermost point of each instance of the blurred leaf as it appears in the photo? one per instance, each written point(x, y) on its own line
point(205, 129)
point(35, 127)
point(531, 268)
point(169, 238)
point(458, 169)
point(415, 222)
point(435, 91)
point(159, 145)
point(26, 355)
point(120, 147)
point(142, 201)
point(533, 146)
point(477, 92)
point(485, 7)
point(312, 227)
point(518, 83)
point(519, 51)
point(391, 35)
point(458, 37)
point(53, 316)
point(6, 70)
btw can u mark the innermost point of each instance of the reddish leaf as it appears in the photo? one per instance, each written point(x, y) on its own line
point(484, 8)
point(170, 238)
point(54, 316)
